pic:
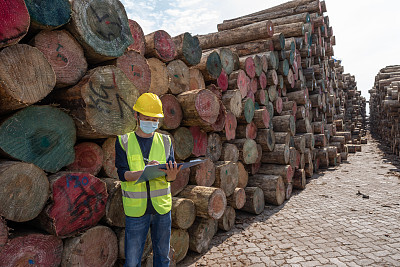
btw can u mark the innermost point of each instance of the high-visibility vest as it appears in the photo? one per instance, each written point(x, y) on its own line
point(134, 196)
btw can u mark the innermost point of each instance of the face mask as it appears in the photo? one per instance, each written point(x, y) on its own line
point(148, 126)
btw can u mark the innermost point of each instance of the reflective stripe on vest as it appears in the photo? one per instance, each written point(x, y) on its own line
point(155, 193)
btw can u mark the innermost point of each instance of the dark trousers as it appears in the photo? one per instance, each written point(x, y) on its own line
point(136, 230)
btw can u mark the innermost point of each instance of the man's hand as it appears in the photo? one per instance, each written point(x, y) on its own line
point(153, 162)
point(171, 171)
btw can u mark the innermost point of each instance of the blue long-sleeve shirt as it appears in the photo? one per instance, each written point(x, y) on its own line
point(121, 163)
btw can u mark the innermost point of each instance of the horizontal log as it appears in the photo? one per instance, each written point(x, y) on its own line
point(255, 202)
point(210, 202)
point(240, 35)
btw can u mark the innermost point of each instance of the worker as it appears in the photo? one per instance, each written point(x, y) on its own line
point(148, 204)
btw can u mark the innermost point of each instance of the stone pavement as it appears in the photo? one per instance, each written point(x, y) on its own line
point(327, 224)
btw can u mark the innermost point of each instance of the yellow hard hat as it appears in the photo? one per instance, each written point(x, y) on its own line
point(150, 105)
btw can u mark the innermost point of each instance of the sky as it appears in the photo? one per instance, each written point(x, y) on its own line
point(367, 32)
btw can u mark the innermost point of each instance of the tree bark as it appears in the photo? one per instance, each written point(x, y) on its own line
point(280, 155)
point(114, 210)
point(272, 186)
point(210, 202)
point(201, 233)
point(243, 34)
point(188, 48)
point(286, 171)
point(180, 243)
point(228, 219)
point(237, 199)
point(109, 168)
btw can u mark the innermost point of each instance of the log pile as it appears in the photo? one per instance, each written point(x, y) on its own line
point(384, 106)
point(262, 100)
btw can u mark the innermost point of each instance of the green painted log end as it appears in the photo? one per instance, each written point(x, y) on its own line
point(42, 135)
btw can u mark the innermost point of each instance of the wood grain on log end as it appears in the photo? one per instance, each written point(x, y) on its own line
point(228, 219)
point(180, 243)
point(183, 213)
point(98, 246)
point(139, 43)
point(24, 191)
point(172, 112)
point(183, 143)
point(88, 158)
point(101, 104)
point(42, 135)
point(19, 251)
point(78, 203)
point(160, 44)
point(101, 27)
point(22, 86)
point(203, 174)
point(137, 69)
point(64, 54)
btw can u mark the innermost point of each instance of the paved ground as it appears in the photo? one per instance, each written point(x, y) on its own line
point(327, 224)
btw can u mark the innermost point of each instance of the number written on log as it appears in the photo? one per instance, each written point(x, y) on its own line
point(104, 20)
point(86, 202)
point(59, 55)
point(136, 71)
point(101, 96)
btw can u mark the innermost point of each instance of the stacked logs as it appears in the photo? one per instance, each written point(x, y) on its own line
point(71, 72)
point(261, 100)
point(384, 103)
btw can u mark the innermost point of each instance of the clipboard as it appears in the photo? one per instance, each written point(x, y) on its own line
point(154, 171)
